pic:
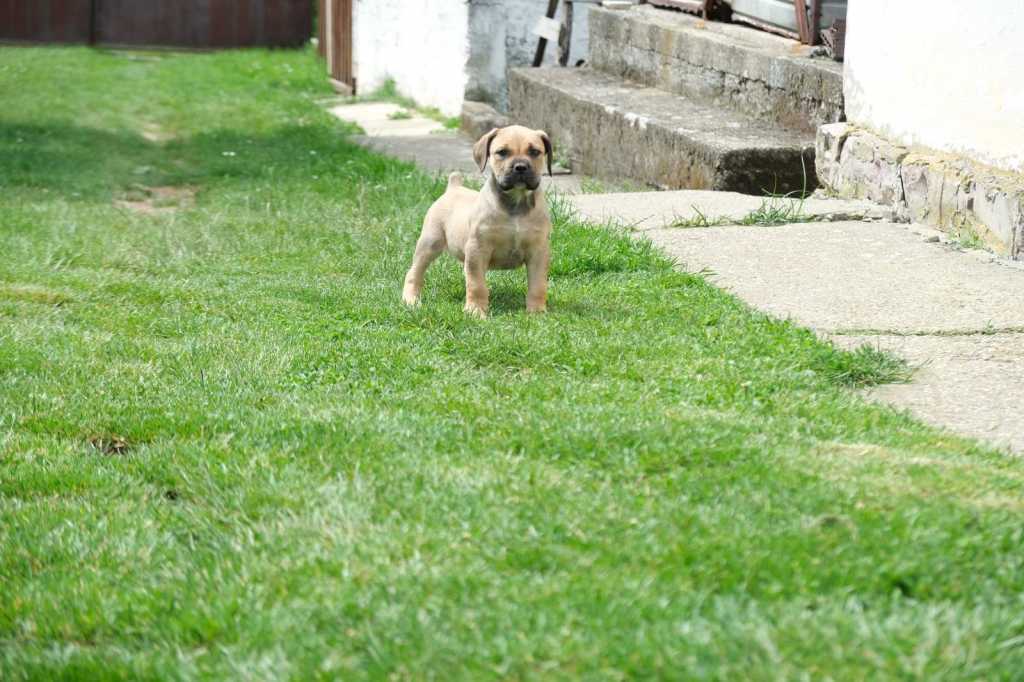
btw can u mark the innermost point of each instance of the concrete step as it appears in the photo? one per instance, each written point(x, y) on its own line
point(766, 76)
point(612, 128)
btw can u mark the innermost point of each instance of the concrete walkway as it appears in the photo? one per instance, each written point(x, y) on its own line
point(852, 275)
point(957, 316)
point(424, 142)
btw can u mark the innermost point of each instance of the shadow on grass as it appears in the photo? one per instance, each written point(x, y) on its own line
point(83, 163)
point(72, 160)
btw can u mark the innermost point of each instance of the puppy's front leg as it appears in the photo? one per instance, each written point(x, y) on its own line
point(537, 281)
point(477, 296)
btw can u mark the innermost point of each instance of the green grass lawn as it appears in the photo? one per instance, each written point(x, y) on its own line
point(227, 451)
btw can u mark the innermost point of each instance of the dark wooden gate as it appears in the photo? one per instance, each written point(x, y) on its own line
point(169, 23)
point(336, 43)
point(46, 21)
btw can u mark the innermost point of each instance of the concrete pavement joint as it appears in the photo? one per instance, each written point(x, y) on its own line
point(728, 221)
point(987, 331)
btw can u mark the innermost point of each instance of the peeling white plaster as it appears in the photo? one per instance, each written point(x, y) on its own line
point(637, 121)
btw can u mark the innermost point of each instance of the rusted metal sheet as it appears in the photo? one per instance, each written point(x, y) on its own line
point(803, 24)
point(815, 22)
point(790, 17)
point(702, 7)
point(765, 26)
point(62, 21)
point(168, 23)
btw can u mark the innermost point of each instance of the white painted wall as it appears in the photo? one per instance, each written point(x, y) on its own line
point(440, 51)
point(943, 74)
point(422, 44)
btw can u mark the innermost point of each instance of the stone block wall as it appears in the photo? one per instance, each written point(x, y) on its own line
point(952, 193)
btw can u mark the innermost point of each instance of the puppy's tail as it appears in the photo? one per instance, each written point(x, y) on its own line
point(455, 179)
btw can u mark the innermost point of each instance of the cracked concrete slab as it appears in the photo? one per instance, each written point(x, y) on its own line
point(443, 153)
point(930, 304)
point(652, 210)
point(853, 276)
point(973, 384)
point(377, 118)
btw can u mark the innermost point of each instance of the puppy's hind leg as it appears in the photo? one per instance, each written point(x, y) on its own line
point(430, 245)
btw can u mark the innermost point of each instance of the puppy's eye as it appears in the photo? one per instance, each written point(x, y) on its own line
point(501, 153)
point(534, 152)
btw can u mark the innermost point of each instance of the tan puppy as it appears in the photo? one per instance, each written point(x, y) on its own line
point(503, 226)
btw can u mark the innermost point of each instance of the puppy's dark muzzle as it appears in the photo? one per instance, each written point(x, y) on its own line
point(520, 174)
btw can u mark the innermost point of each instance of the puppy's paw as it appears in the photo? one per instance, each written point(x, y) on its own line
point(475, 310)
point(537, 308)
point(410, 298)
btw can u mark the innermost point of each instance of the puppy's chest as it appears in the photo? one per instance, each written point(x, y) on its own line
point(510, 241)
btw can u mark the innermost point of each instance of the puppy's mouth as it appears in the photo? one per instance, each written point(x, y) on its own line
point(510, 182)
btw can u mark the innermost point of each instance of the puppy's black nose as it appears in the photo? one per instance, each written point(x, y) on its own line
point(521, 167)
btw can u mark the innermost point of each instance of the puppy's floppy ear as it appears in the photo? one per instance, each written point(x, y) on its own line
point(482, 149)
point(547, 147)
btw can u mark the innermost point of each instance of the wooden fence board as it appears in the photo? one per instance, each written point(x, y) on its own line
point(170, 23)
point(338, 50)
point(64, 21)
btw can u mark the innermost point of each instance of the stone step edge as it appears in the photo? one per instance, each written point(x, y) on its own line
point(723, 178)
point(792, 91)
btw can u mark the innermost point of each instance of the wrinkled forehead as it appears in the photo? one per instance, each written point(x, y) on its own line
point(517, 140)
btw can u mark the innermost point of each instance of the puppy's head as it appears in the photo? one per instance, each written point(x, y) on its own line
point(517, 156)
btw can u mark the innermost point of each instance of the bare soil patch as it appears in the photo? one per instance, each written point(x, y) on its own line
point(110, 444)
point(156, 133)
point(157, 200)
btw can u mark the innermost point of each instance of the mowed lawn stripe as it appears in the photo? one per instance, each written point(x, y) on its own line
point(228, 451)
